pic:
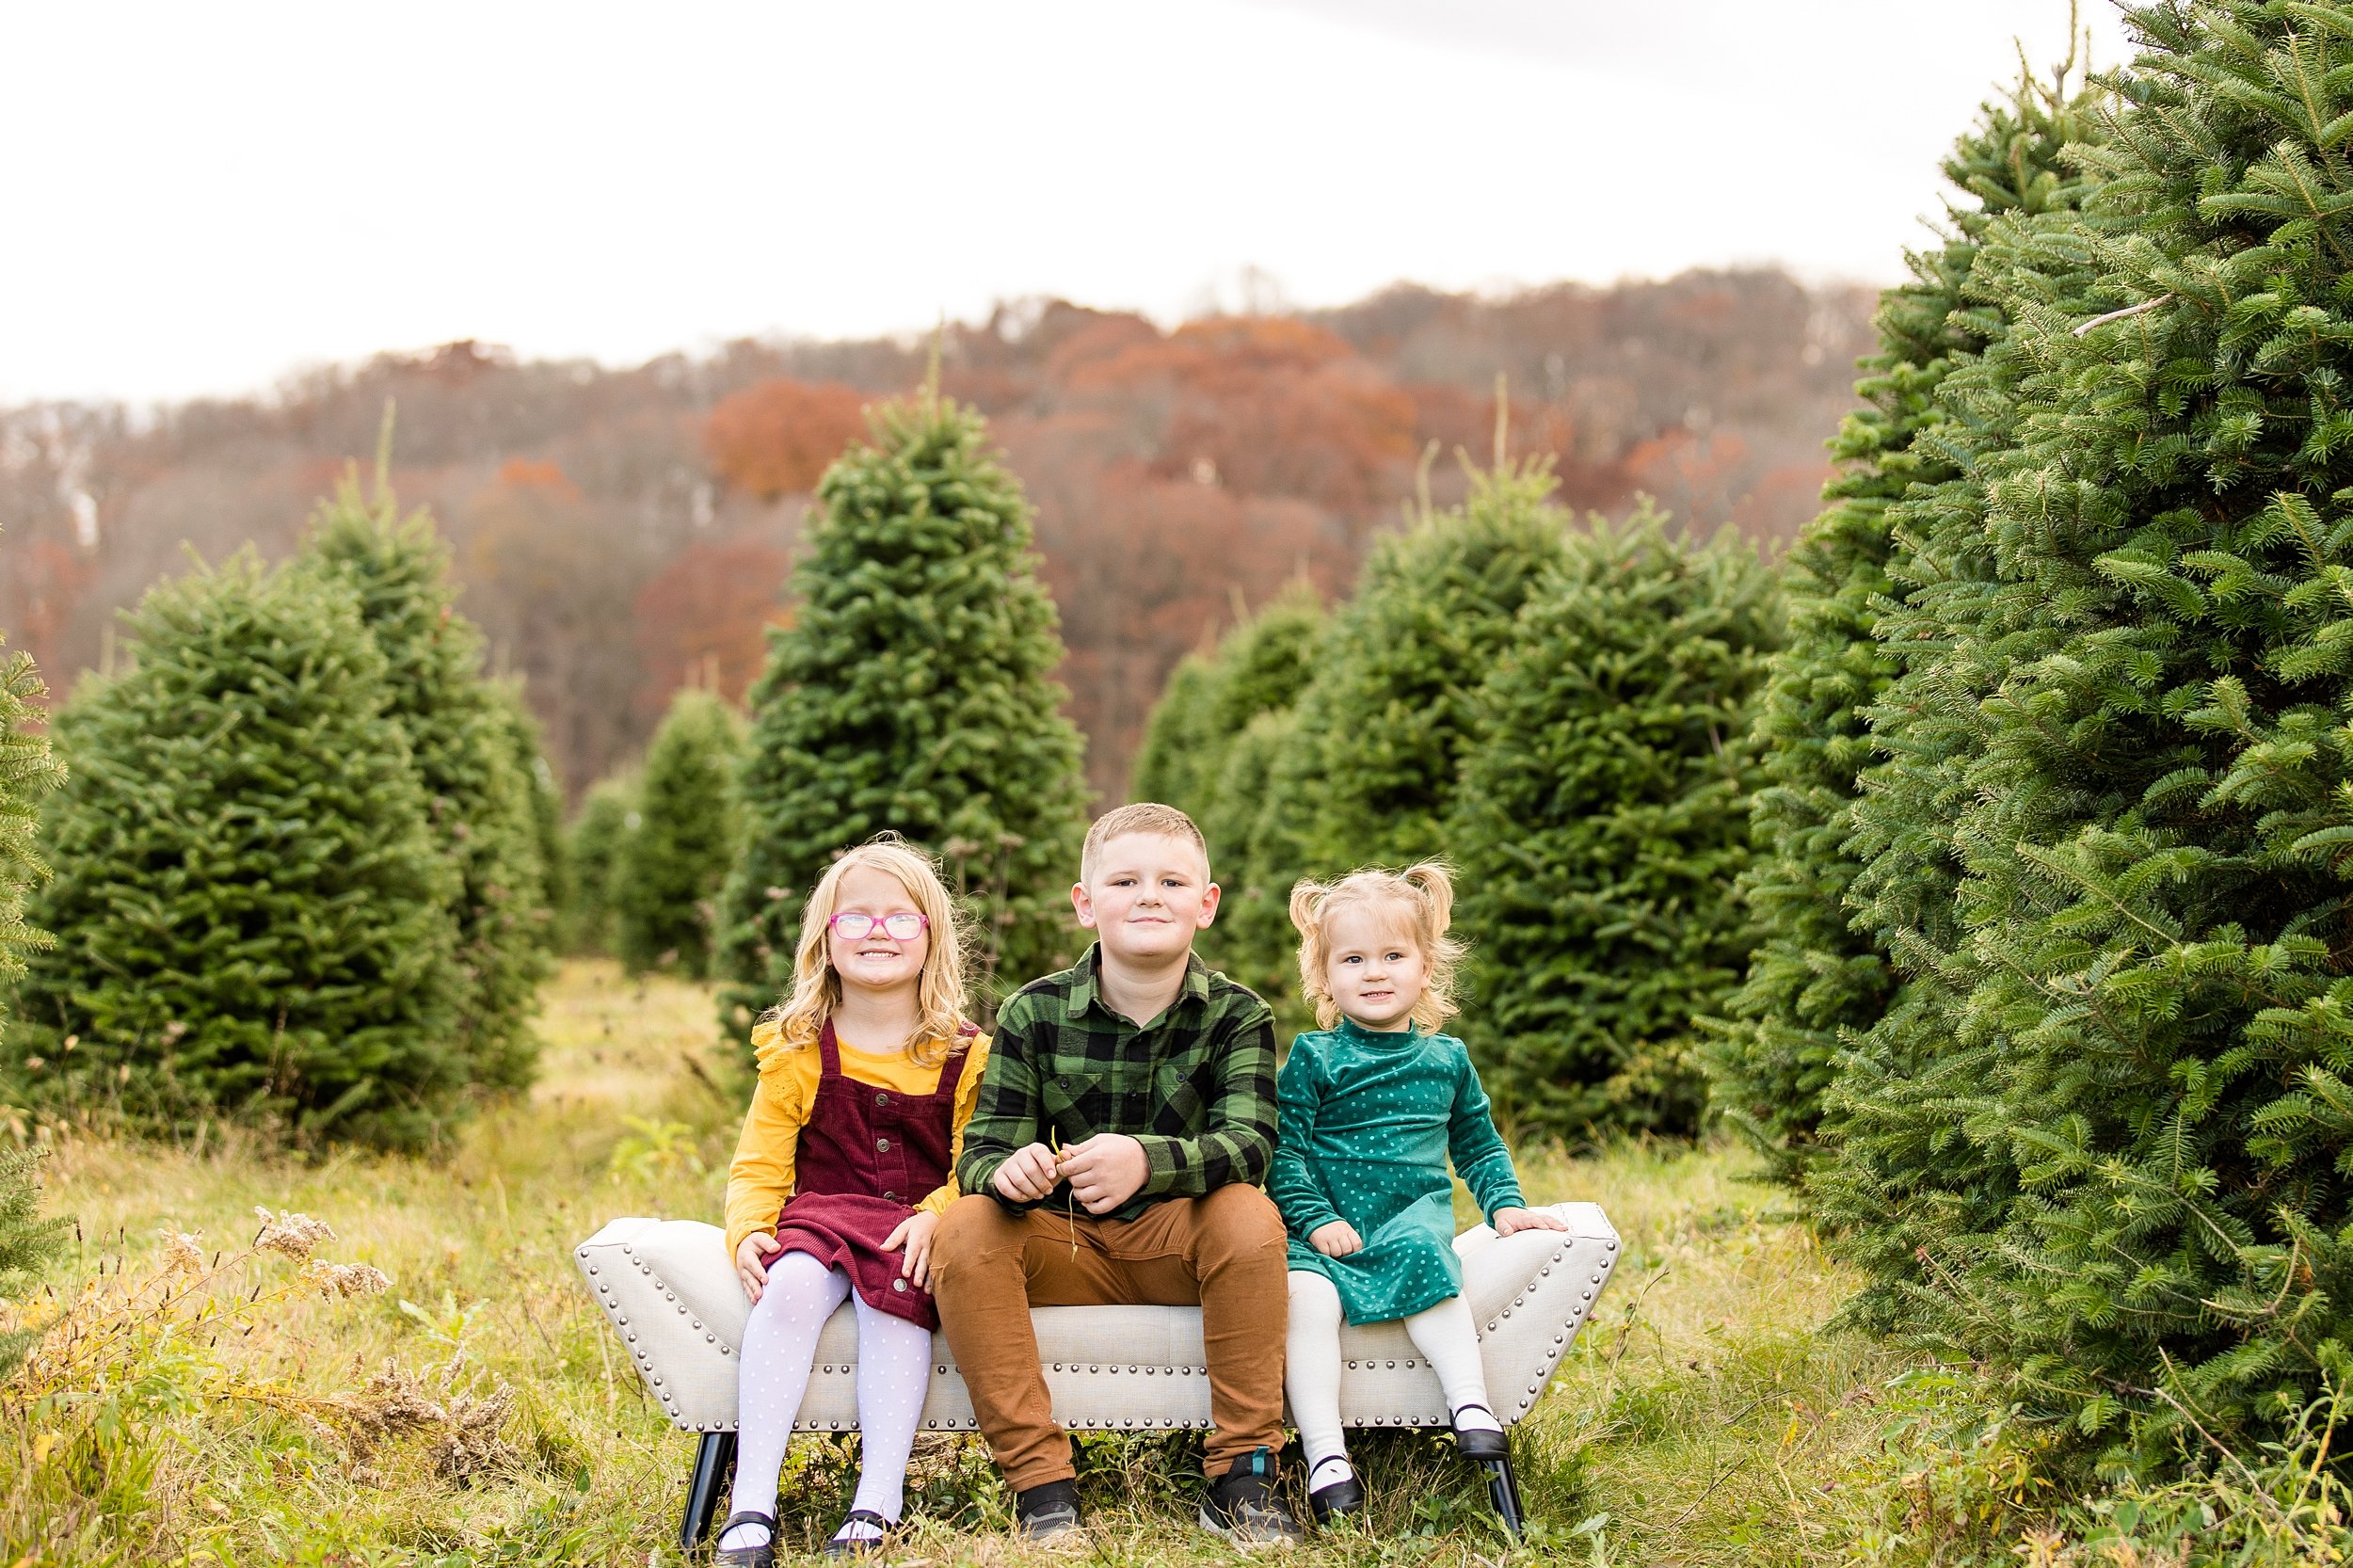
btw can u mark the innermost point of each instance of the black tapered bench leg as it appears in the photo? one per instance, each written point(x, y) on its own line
point(713, 1460)
point(1503, 1490)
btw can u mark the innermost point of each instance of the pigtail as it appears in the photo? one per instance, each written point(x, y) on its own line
point(1434, 881)
point(1307, 906)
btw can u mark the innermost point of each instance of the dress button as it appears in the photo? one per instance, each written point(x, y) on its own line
point(898, 1285)
point(890, 1197)
point(882, 1100)
point(883, 1143)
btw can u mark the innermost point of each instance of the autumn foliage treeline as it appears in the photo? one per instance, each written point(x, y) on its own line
point(621, 534)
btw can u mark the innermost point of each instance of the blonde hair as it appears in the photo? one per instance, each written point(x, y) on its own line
point(1144, 816)
point(1422, 895)
point(817, 987)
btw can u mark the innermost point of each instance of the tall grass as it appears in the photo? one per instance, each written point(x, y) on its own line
point(203, 1395)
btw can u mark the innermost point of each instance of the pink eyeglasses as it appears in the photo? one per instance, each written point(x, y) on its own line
point(905, 926)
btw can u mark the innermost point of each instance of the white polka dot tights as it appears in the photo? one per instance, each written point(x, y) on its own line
point(894, 1364)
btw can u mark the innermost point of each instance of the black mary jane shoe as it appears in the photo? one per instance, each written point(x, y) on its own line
point(762, 1555)
point(1479, 1443)
point(839, 1547)
point(1344, 1499)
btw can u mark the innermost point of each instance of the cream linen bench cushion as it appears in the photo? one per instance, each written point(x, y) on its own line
point(672, 1295)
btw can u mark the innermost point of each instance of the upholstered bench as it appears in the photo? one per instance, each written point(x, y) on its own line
point(672, 1294)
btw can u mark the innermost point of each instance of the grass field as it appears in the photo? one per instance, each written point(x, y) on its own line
point(203, 1402)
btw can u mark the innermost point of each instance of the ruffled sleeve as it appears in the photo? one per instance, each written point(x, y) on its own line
point(759, 1178)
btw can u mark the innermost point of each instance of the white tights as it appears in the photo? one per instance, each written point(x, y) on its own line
point(1443, 1333)
point(894, 1364)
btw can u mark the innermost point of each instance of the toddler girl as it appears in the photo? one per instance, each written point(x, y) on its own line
point(1372, 1105)
point(867, 1075)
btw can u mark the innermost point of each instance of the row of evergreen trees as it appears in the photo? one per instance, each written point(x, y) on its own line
point(2050, 1017)
point(301, 857)
point(1558, 706)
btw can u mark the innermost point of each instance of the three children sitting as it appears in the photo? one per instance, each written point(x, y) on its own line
point(1108, 1143)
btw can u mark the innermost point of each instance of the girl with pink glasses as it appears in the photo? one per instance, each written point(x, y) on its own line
point(868, 1072)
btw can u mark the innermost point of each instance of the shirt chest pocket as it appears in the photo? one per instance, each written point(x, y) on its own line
point(1181, 1094)
point(1077, 1104)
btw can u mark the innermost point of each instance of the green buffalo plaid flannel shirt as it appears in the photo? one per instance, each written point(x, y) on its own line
point(1196, 1086)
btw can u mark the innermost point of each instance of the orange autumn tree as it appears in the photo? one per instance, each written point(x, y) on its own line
point(774, 438)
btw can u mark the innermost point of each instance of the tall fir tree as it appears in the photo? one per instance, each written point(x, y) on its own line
point(669, 872)
point(2151, 827)
point(526, 744)
point(1367, 769)
point(252, 915)
point(1209, 751)
point(1600, 827)
point(1179, 736)
point(914, 692)
point(28, 770)
point(479, 798)
point(592, 851)
point(1814, 979)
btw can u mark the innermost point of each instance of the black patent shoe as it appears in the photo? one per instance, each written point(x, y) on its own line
point(1479, 1443)
point(1342, 1499)
point(762, 1555)
point(859, 1546)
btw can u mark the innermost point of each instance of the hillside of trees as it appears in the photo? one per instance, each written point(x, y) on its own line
point(622, 533)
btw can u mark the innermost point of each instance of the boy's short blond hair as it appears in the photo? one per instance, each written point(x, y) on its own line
point(1144, 816)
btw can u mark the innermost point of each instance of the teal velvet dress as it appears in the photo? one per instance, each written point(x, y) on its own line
point(1368, 1120)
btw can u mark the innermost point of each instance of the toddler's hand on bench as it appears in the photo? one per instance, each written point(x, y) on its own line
point(915, 1234)
point(1510, 1220)
point(1027, 1175)
point(1336, 1240)
point(751, 1263)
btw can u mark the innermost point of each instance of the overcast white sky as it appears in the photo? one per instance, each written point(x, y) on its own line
point(199, 198)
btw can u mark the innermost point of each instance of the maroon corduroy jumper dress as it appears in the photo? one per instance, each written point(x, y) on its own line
point(866, 1156)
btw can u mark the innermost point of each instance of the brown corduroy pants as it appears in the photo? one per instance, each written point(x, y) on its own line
point(1224, 1253)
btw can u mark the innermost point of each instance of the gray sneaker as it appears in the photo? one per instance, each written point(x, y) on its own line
point(1047, 1510)
point(1243, 1507)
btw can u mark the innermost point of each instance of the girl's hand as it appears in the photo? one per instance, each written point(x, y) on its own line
point(1028, 1175)
point(915, 1234)
point(1336, 1240)
point(1510, 1220)
point(751, 1263)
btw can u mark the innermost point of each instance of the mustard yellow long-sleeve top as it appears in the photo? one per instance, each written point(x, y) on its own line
point(759, 1178)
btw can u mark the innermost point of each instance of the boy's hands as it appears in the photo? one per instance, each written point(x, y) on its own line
point(1510, 1220)
point(1028, 1174)
point(915, 1234)
point(1336, 1240)
point(1105, 1171)
point(751, 1263)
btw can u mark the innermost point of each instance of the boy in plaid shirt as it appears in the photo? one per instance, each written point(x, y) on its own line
point(1126, 1121)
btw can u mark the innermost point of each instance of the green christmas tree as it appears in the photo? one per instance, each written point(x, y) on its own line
point(252, 915)
point(2152, 825)
point(28, 771)
point(1600, 827)
point(914, 692)
point(669, 872)
point(1814, 979)
point(479, 798)
point(1179, 737)
point(1209, 751)
point(1366, 769)
point(592, 850)
point(526, 746)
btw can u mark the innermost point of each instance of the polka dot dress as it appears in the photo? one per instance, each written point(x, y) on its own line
point(1368, 1122)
